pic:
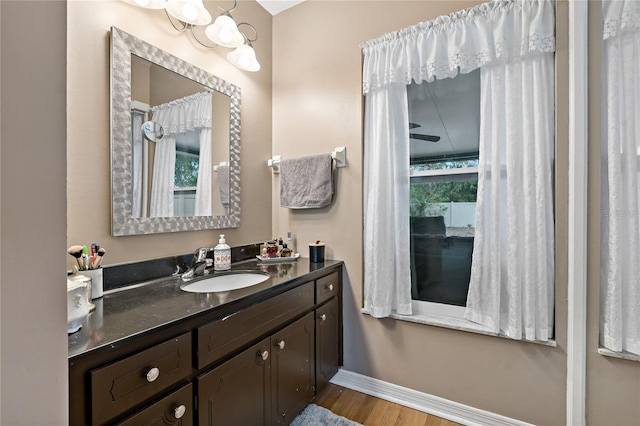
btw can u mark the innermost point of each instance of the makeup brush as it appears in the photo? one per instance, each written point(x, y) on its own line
point(76, 251)
point(101, 253)
point(85, 258)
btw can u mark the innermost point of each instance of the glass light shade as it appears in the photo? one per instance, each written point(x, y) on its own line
point(224, 32)
point(189, 11)
point(149, 4)
point(244, 57)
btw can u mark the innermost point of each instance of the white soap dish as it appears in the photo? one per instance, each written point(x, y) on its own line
point(279, 259)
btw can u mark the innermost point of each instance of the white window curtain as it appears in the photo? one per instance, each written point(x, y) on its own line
point(512, 269)
point(203, 190)
point(387, 269)
point(490, 35)
point(620, 242)
point(192, 113)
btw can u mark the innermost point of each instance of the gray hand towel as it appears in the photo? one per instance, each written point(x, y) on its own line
point(305, 182)
point(223, 185)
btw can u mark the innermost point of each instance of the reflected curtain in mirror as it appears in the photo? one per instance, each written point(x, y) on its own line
point(180, 118)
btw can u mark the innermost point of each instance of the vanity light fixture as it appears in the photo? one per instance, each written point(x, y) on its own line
point(244, 57)
point(189, 12)
point(223, 32)
point(149, 4)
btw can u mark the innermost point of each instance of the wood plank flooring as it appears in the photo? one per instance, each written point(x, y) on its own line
point(372, 411)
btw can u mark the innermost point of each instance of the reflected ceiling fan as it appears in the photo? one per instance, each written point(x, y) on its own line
point(421, 137)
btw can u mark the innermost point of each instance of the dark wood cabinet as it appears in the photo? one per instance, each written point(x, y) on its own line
point(223, 336)
point(259, 362)
point(292, 369)
point(328, 342)
point(268, 383)
point(123, 384)
point(238, 391)
point(176, 409)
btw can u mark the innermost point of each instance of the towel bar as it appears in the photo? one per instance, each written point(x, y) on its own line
point(223, 163)
point(339, 155)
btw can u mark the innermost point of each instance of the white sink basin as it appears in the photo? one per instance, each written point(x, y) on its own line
point(225, 282)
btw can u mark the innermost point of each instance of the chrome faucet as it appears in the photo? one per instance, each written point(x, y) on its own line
point(199, 264)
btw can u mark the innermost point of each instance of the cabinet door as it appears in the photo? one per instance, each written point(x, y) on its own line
point(237, 392)
point(292, 369)
point(327, 342)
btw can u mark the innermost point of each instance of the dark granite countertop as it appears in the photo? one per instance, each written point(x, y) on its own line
point(123, 314)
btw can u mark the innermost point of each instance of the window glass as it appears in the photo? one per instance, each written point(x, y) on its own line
point(444, 134)
point(186, 173)
point(187, 160)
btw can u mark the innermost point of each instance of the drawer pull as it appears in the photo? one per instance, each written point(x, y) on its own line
point(264, 355)
point(323, 317)
point(330, 287)
point(280, 344)
point(179, 411)
point(229, 316)
point(153, 374)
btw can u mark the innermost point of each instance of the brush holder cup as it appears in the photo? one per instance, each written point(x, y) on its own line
point(316, 252)
point(96, 282)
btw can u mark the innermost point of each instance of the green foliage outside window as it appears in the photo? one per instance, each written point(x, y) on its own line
point(427, 196)
point(186, 172)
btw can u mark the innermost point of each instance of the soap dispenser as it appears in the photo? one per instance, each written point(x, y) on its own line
point(222, 255)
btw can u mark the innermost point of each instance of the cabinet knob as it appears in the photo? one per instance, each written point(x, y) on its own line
point(153, 374)
point(179, 411)
point(330, 287)
point(264, 355)
point(323, 317)
point(280, 344)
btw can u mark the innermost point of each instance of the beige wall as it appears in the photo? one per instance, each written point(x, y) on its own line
point(318, 106)
point(88, 151)
point(33, 320)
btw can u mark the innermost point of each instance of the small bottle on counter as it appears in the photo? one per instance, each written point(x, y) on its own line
point(222, 255)
point(286, 251)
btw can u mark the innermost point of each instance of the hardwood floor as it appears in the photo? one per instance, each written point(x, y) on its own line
point(372, 411)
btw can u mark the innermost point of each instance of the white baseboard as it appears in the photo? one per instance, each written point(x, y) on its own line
point(424, 402)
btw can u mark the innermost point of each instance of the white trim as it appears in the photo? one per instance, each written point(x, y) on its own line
point(577, 265)
point(445, 172)
point(450, 410)
point(139, 106)
point(620, 355)
point(459, 324)
point(421, 307)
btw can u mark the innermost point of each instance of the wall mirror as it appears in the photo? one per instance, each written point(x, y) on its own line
point(189, 178)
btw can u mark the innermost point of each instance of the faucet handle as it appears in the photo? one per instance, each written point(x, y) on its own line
point(201, 254)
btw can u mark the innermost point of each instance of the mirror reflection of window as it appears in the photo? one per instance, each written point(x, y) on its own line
point(186, 174)
point(178, 195)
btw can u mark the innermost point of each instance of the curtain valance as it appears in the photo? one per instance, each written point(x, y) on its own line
point(185, 114)
point(497, 31)
point(619, 17)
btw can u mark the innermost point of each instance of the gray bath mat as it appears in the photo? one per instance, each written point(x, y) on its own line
point(315, 415)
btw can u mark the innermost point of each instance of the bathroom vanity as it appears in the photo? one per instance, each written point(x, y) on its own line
point(257, 355)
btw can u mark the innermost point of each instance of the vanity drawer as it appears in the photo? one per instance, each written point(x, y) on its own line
point(219, 338)
point(120, 386)
point(327, 287)
point(174, 409)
